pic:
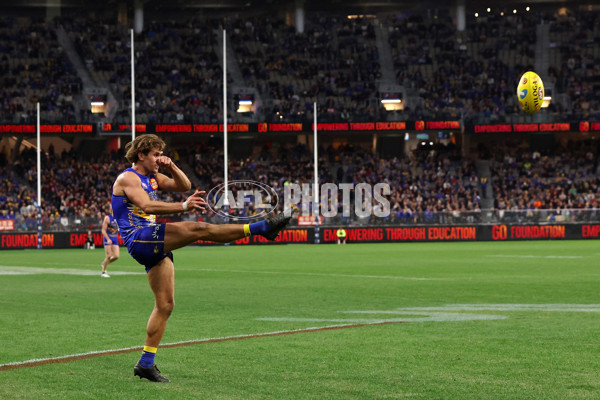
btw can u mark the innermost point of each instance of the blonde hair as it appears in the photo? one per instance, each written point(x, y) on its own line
point(143, 144)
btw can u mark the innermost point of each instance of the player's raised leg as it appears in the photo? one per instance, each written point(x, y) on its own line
point(180, 234)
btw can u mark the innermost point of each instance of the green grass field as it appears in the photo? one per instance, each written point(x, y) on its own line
point(514, 320)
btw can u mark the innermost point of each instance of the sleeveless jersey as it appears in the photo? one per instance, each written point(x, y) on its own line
point(112, 228)
point(130, 217)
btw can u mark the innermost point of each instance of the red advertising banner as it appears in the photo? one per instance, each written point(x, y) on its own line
point(297, 236)
point(139, 128)
point(27, 241)
point(188, 128)
point(390, 126)
point(562, 127)
point(528, 232)
point(285, 127)
point(368, 234)
point(264, 127)
point(334, 126)
point(442, 125)
point(360, 126)
point(585, 126)
point(173, 128)
point(403, 234)
point(590, 231)
point(437, 125)
point(534, 127)
point(47, 128)
point(492, 128)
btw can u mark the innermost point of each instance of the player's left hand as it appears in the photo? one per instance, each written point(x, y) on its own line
point(196, 201)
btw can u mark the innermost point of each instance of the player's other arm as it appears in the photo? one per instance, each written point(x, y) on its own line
point(179, 181)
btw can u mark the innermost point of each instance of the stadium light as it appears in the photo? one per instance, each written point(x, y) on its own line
point(546, 101)
point(97, 106)
point(245, 105)
point(392, 104)
point(357, 16)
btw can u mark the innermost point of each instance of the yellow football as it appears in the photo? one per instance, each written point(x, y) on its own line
point(530, 92)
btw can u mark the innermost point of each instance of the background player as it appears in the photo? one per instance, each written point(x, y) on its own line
point(110, 229)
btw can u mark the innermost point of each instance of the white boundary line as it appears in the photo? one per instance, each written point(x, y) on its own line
point(534, 256)
point(79, 356)
point(407, 278)
point(433, 314)
point(30, 270)
point(22, 270)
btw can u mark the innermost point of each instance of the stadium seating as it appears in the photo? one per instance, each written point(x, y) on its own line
point(561, 181)
point(34, 69)
point(336, 62)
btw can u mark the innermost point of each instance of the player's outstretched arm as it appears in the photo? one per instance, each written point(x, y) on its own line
point(129, 184)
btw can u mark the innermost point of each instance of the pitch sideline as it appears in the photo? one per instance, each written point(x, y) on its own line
point(23, 270)
point(81, 356)
point(432, 314)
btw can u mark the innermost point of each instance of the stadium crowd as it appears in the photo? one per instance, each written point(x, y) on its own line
point(563, 180)
point(34, 68)
point(178, 74)
point(335, 62)
point(427, 188)
point(282, 63)
point(432, 187)
point(468, 72)
point(573, 42)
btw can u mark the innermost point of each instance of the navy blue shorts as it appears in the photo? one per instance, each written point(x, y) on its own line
point(113, 238)
point(147, 246)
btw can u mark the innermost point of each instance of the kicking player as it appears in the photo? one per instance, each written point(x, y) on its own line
point(110, 241)
point(135, 205)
